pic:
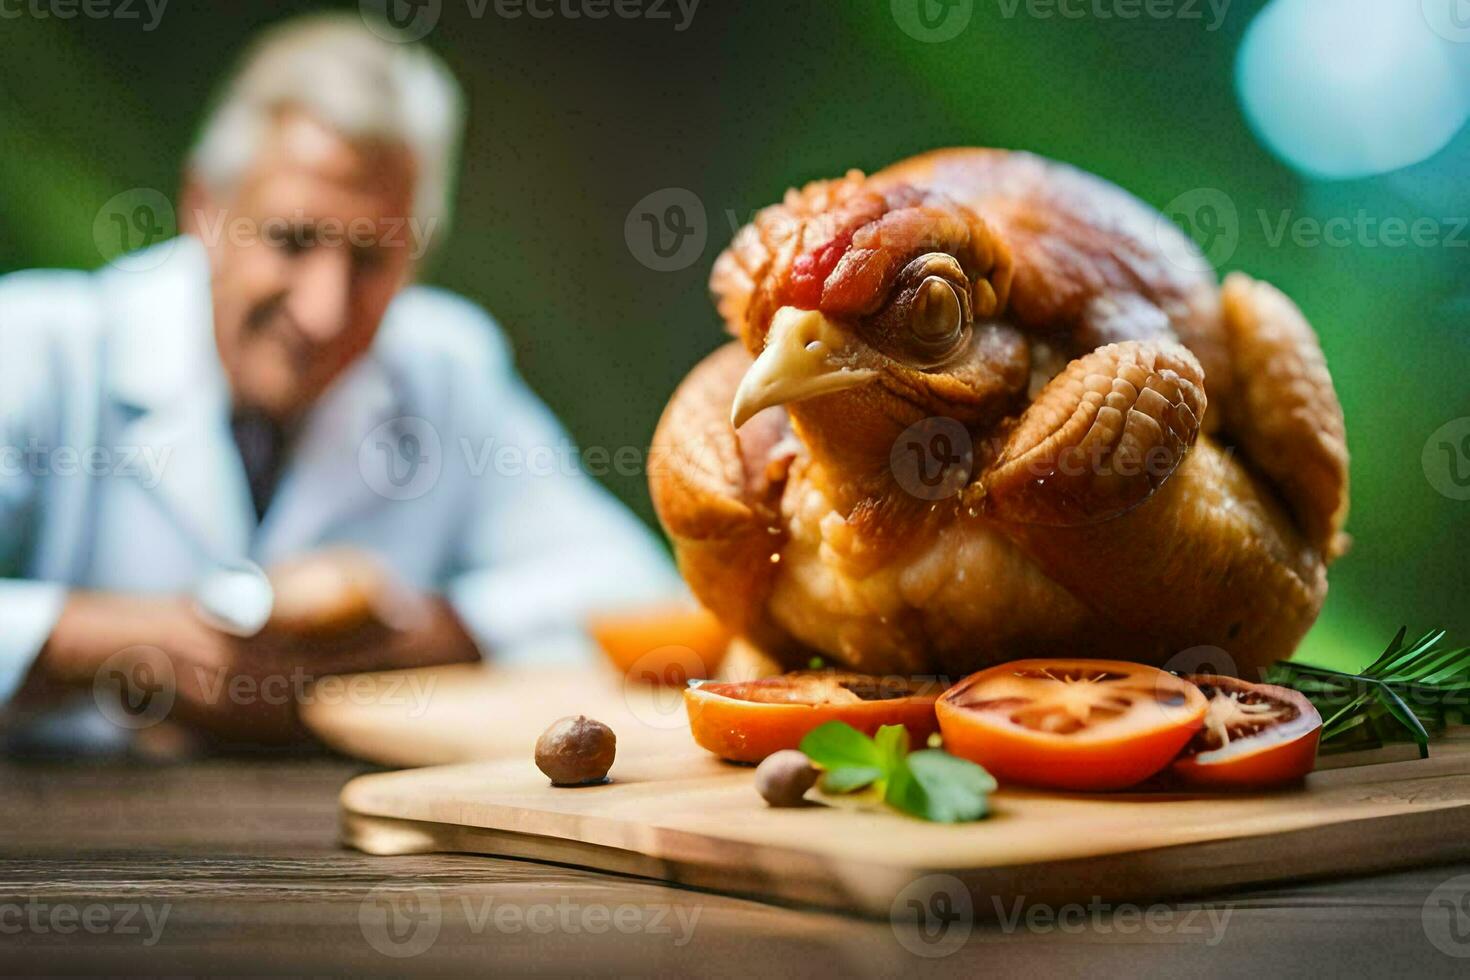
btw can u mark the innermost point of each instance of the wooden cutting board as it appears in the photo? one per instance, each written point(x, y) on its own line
point(682, 816)
point(437, 715)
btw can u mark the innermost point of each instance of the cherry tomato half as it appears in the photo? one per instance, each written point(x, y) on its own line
point(748, 720)
point(1254, 736)
point(1071, 724)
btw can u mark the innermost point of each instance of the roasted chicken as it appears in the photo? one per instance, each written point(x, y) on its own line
point(986, 406)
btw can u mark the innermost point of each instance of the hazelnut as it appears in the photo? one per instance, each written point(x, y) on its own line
point(576, 751)
point(784, 777)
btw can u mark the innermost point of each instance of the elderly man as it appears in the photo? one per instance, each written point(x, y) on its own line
point(269, 385)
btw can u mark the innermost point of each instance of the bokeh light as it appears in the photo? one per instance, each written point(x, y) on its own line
point(1349, 88)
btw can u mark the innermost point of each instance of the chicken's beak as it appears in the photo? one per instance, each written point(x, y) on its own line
point(806, 354)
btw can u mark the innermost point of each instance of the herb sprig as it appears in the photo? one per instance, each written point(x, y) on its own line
point(930, 784)
point(1409, 693)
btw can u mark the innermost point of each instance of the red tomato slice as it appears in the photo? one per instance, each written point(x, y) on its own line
point(748, 720)
point(1254, 736)
point(1071, 724)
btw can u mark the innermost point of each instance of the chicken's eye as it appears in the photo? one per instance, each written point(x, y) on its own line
point(927, 315)
point(936, 317)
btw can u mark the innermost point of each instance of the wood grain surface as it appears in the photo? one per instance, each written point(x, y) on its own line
point(242, 854)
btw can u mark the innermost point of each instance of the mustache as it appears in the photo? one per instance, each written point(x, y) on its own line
point(263, 314)
point(272, 315)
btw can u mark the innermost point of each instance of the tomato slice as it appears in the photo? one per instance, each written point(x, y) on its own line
point(1071, 724)
point(1254, 736)
point(748, 720)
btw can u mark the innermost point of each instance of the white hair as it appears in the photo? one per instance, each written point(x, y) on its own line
point(351, 79)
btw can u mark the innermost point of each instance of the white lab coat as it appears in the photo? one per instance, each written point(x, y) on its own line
point(118, 470)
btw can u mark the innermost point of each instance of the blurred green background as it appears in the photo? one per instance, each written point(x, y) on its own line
point(573, 121)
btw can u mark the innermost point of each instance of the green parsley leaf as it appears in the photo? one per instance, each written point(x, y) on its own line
point(836, 744)
point(892, 743)
point(849, 759)
point(937, 786)
point(930, 784)
point(846, 779)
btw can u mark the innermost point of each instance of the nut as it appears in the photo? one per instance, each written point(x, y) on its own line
point(784, 777)
point(576, 751)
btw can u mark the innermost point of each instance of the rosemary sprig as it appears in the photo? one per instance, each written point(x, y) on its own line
point(1409, 693)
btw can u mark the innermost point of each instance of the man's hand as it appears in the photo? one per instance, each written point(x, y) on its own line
point(335, 590)
point(194, 668)
point(240, 690)
point(343, 610)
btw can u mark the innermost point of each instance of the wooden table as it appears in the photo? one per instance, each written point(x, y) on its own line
point(238, 865)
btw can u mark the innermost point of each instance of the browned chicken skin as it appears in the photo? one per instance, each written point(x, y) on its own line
point(1127, 459)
